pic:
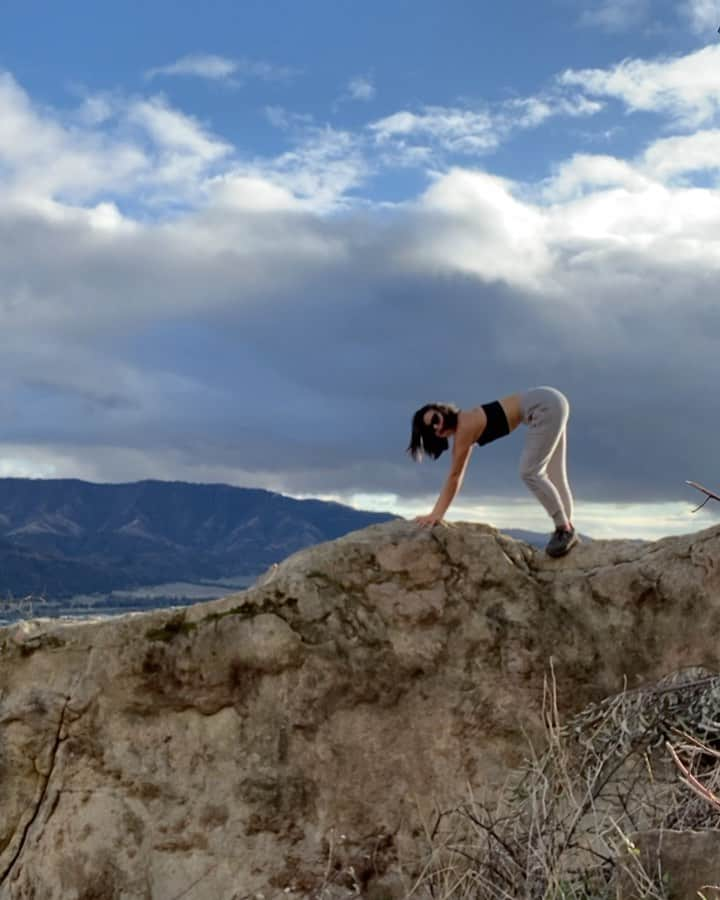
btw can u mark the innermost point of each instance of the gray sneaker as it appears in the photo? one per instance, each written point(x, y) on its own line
point(562, 542)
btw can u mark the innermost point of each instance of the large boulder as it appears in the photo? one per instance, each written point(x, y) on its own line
point(295, 739)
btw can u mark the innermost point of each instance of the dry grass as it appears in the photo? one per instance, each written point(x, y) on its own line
point(561, 828)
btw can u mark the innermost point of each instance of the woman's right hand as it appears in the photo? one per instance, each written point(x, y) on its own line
point(428, 521)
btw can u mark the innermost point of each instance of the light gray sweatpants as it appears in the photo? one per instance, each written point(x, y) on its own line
point(545, 411)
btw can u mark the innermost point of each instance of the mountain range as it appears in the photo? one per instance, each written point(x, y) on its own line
point(63, 537)
point(60, 537)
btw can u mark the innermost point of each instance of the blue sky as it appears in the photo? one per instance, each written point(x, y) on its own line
point(242, 242)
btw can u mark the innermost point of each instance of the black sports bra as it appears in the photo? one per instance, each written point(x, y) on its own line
point(497, 423)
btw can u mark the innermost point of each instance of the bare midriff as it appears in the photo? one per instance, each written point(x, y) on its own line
point(513, 411)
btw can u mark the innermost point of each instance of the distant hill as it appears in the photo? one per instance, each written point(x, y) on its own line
point(61, 537)
point(534, 538)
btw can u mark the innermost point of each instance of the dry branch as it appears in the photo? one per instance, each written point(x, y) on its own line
point(710, 495)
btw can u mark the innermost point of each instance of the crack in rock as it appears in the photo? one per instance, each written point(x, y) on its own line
point(43, 792)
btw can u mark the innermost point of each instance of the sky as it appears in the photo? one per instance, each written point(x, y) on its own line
point(242, 241)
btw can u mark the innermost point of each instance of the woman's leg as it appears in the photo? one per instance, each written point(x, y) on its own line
point(547, 412)
point(557, 473)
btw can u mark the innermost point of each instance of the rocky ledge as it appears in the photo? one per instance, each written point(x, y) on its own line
point(294, 739)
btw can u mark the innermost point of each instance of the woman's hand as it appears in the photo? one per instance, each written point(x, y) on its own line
point(429, 520)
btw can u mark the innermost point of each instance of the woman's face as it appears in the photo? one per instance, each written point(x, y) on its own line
point(433, 418)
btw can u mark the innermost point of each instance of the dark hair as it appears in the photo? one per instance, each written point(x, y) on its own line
point(423, 439)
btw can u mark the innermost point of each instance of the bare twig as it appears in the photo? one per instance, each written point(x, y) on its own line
point(711, 495)
point(561, 826)
point(691, 781)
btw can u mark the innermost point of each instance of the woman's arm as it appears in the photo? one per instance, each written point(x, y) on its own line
point(462, 447)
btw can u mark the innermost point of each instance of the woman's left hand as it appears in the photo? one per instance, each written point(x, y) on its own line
point(429, 520)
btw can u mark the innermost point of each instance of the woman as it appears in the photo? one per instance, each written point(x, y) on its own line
point(542, 467)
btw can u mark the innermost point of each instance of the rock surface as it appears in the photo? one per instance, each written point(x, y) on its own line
point(687, 863)
point(292, 740)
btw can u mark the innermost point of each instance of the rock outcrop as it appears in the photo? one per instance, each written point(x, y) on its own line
point(293, 740)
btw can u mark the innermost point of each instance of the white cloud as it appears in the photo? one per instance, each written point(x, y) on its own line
point(42, 157)
point(221, 68)
point(238, 191)
point(584, 173)
point(174, 130)
point(26, 462)
point(198, 65)
point(361, 88)
point(109, 146)
point(473, 224)
point(703, 16)
point(615, 15)
point(684, 154)
point(202, 338)
point(320, 170)
point(96, 109)
point(641, 221)
point(279, 117)
point(601, 206)
point(530, 112)
point(161, 157)
point(687, 88)
point(458, 130)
